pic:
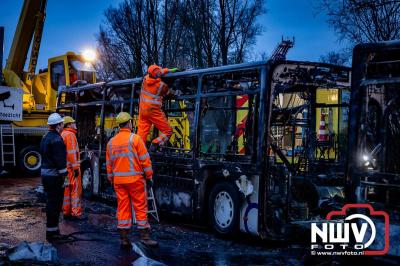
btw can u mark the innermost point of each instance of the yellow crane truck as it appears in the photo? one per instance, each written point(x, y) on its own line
point(26, 97)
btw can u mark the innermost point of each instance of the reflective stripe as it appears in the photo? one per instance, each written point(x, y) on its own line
point(132, 173)
point(160, 88)
point(72, 152)
point(110, 175)
point(141, 222)
point(148, 169)
point(52, 229)
point(124, 226)
point(75, 164)
point(76, 199)
point(62, 171)
point(144, 156)
point(151, 101)
point(151, 95)
point(124, 154)
point(130, 149)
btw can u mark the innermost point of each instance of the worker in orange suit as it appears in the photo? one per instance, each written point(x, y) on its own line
point(72, 192)
point(129, 170)
point(151, 98)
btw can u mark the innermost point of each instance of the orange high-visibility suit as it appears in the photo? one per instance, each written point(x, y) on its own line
point(72, 192)
point(151, 98)
point(127, 162)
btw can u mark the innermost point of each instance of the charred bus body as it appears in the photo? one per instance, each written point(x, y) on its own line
point(373, 170)
point(255, 147)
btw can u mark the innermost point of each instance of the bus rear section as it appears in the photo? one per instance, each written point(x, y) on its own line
point(373, 170)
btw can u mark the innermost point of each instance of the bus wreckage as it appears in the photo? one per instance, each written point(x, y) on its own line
point(257, 147)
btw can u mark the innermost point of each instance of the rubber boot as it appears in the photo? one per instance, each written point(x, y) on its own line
point(124, 235)
point(146, 239)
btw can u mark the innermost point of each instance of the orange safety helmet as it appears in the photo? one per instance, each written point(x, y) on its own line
point(155, 71)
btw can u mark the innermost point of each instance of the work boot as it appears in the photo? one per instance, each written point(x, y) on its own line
point(125, 243)
point(146, 239)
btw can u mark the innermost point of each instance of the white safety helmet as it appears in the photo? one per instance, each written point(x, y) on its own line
point(54, 119)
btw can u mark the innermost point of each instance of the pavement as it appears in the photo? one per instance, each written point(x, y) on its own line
point(95, 241)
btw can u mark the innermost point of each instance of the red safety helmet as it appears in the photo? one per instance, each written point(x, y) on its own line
point(155, 71)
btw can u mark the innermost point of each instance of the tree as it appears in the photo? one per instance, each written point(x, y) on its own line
point(335, 58)
point(364, 20)
point(190, 33)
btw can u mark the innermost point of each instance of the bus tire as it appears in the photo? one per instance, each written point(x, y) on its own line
point(223, 208)
point(87, 180)
point(30, 160)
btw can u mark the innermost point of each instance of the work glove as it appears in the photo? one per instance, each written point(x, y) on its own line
point(177, 93)
point(173, 70)
point(76, 173)
point(66, 181)
point(149, 183)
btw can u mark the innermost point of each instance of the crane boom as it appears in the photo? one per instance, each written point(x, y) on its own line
point(30, 25)
point(37, 38)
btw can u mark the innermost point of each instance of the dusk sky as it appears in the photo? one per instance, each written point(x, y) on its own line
point(72, 25)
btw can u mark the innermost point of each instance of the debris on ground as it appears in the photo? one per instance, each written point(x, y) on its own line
point(36, 251)
point(144, 260)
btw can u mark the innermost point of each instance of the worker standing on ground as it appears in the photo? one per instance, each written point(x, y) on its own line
point(127, 162)
point(54, 173)
point(72, 192)
point(151, 98)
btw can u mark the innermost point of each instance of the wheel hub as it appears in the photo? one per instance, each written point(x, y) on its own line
point(86, 178)
point(32, 160)
point(223, 209)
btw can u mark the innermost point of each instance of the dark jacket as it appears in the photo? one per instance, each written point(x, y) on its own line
point(54, 154)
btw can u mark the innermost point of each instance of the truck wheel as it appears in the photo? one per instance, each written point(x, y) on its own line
point(30, 160)
point(87, 181)
point(224, 208)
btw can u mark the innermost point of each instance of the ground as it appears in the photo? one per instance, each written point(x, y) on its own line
point(96, 242)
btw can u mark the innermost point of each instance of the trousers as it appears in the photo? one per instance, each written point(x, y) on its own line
point(132, 194)
point(72, 196)
point(154, 116)
point(53, 186)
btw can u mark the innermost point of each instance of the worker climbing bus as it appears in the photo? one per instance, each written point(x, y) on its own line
point(151, 99)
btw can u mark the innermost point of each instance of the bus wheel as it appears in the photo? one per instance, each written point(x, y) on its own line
point(30, 160)
point(87, 181)
point(224, 208)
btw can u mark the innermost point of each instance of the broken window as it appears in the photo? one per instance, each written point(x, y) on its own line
point(380, 128)
point(227, 121)
point(180, 115)
point(227, 125)
point(231, 81)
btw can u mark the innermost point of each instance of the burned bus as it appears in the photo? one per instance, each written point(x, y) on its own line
point(256, 147)
point(373, 171)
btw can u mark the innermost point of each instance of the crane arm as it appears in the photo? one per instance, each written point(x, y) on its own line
point(30, 25)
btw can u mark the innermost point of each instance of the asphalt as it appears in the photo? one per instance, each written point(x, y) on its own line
point(95, 241)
